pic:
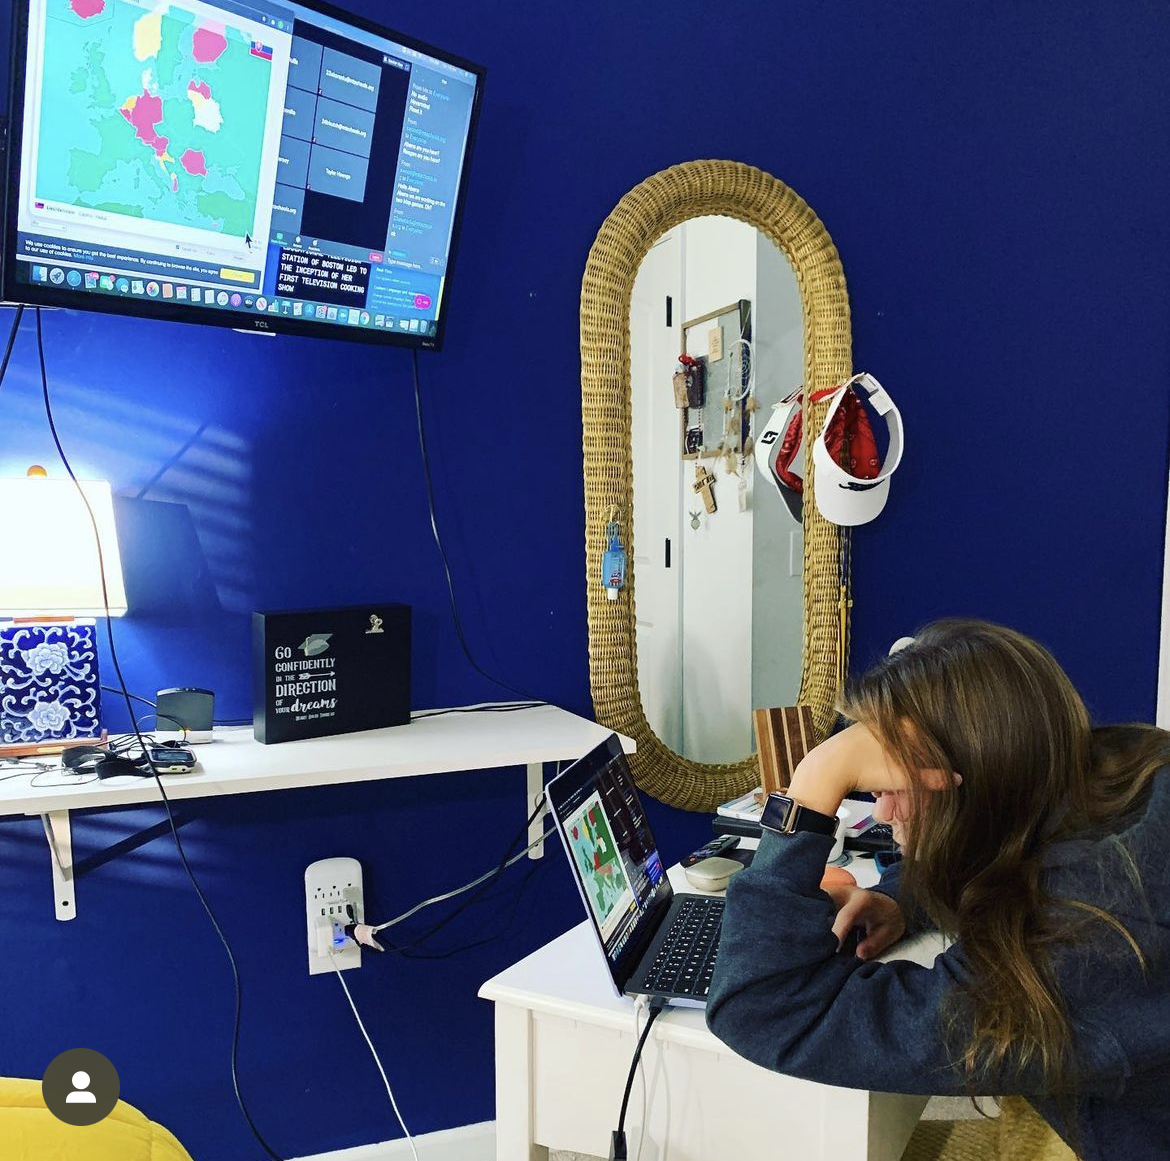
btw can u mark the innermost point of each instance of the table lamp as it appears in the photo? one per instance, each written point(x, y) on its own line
point(50, 592)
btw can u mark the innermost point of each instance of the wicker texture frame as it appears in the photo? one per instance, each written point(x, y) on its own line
point(641, 217)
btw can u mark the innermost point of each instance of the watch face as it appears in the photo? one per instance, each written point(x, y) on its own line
point(784, 816)
point(777, 810)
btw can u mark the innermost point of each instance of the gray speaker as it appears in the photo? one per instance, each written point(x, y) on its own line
point(189, 710)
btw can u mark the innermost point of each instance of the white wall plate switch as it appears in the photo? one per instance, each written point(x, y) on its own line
point(333, 898)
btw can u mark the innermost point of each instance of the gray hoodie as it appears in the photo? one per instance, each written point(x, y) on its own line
point(784, 998)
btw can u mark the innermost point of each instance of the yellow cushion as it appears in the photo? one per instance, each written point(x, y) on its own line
point(29, 1132)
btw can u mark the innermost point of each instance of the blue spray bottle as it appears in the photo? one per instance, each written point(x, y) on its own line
point(613, 563)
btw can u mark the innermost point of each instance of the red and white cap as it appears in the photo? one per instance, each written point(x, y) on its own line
point(843, 498)
point(781, 461)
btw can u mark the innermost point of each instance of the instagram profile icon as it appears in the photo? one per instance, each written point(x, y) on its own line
point(80, 1087)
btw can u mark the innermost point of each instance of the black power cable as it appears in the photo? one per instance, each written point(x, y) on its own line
point(501, 928)
point(426, 465)
point(159, 718)
point(489, 880)
point(124, 690)
point(11, 342)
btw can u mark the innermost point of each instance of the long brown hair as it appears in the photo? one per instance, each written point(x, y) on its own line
point(994, 706)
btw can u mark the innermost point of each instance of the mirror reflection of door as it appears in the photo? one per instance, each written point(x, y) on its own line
point(717, 595)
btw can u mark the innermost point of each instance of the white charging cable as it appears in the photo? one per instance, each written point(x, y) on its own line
point(374, 1052)
point(466, 886)
point(640, 1004)
point(364, 933)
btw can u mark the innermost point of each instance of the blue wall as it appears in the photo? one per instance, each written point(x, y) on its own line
point(995, 181)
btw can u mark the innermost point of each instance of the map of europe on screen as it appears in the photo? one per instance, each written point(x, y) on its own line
point(607, 886)
point(157, 115)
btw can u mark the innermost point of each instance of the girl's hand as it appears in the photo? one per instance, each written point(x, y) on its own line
point(879, 916)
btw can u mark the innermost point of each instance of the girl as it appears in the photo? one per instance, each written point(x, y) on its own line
point(1037, 843)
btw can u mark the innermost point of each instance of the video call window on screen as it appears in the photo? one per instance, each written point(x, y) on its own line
point(265, 165)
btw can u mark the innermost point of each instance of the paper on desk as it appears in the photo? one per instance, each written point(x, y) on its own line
point(745, 806)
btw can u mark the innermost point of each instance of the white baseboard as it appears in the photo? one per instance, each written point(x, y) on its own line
point(466, 1143)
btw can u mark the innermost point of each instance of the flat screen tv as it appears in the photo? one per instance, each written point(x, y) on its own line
point(259, 164)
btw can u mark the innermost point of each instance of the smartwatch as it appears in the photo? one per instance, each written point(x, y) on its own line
point(782, 815)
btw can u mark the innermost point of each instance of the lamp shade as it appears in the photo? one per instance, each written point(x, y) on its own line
point(49, 559)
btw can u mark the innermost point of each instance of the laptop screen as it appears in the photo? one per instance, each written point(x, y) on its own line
point(612, 852)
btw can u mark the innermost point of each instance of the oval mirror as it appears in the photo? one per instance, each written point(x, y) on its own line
point(699, 768)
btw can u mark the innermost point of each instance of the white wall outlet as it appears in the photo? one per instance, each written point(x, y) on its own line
point(333, 898)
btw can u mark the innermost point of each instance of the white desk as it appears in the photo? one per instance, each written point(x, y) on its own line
point(235, 763)
point(564, 1044)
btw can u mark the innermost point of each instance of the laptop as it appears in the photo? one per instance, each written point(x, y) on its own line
point(655, 943)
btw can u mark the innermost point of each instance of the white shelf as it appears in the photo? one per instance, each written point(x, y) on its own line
point(235, 763)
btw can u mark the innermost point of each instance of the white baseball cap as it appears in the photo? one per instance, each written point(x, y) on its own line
point(768, 446)
point(843, 498)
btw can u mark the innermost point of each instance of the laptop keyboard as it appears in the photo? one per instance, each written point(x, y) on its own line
point(685, 963)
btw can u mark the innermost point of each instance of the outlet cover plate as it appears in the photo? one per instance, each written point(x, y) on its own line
point(330, 884)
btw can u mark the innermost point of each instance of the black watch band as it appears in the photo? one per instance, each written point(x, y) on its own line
point(782, 815)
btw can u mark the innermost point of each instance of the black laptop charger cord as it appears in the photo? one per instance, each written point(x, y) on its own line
point(430, 494)
point(617, 1147)
point(11, 342)
point(364, 934)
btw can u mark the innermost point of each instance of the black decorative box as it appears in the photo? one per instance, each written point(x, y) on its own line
point(330, 671)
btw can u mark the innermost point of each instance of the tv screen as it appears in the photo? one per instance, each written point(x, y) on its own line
point(257, 164)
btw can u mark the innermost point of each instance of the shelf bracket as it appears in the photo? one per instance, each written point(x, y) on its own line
point(535, 790)
point(60, 836)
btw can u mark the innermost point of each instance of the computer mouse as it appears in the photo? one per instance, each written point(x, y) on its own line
point(712, 874)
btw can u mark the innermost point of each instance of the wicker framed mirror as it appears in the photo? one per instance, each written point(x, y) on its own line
point(663, 201)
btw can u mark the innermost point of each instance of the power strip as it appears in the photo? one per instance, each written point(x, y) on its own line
point(333, 898)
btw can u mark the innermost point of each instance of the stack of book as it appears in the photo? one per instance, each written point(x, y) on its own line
point(741, 815)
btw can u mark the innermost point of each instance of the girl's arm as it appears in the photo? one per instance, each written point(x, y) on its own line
point(783, 998)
